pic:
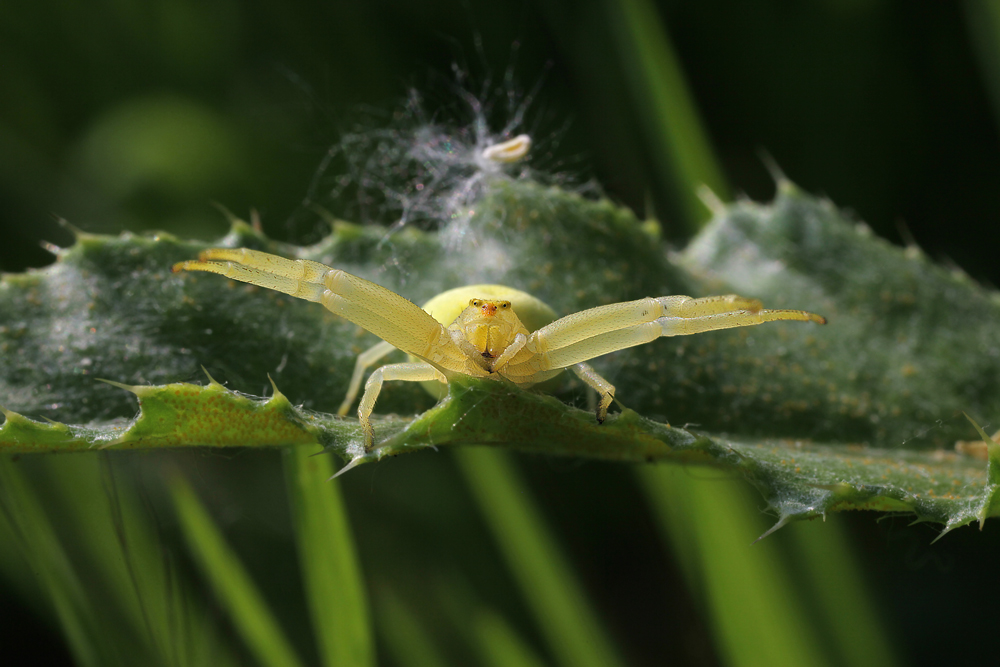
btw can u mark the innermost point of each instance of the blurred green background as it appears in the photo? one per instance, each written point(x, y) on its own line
point(138, 116)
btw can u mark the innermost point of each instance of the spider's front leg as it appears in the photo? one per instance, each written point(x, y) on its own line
point(398, 321)
point(372, 307)
point(577, 338)
point(591, 333)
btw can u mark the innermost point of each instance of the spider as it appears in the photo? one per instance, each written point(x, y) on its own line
point(487, 331)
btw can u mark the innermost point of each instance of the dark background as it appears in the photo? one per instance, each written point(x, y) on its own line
point(139, 116)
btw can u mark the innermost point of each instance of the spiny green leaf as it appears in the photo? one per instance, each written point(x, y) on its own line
point(799, 479)
point(854, 415)
point(910, 345)
point(174, 415)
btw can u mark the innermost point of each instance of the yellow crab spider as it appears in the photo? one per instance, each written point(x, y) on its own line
point(479, 330)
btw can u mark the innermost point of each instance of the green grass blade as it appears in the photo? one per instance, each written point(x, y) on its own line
point(405, 639)
point(567, 621)
point(499, 645)
point(734, 575)
point(117, 535)
point(837, 588)
point(26, 521)
point(492, 640)
point(16, 570)
point(680, 145)
point(332, 576)
point(119, 547)
point(230, 581)
point(983, 19)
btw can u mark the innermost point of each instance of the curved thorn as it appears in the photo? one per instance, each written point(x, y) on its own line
point(356, 461)
point(211, 380)
point(785, 518)
point(780, 179)
point(68, 226)
point(127, 387)
point(229, 215)
point(277, 392)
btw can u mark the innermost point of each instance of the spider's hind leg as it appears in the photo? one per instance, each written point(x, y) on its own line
point(364, 361)
point(409, 372)
point(605, 390)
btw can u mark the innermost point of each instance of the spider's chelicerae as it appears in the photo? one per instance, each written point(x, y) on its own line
point(485, 331)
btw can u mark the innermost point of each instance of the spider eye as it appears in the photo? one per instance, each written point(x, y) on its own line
point(475, 303)
point(505, 304)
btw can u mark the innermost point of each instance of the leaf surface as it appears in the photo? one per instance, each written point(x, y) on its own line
point(860, 414)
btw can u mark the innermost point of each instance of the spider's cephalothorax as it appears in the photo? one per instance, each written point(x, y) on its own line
point(489, 326)
point(482, 330)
